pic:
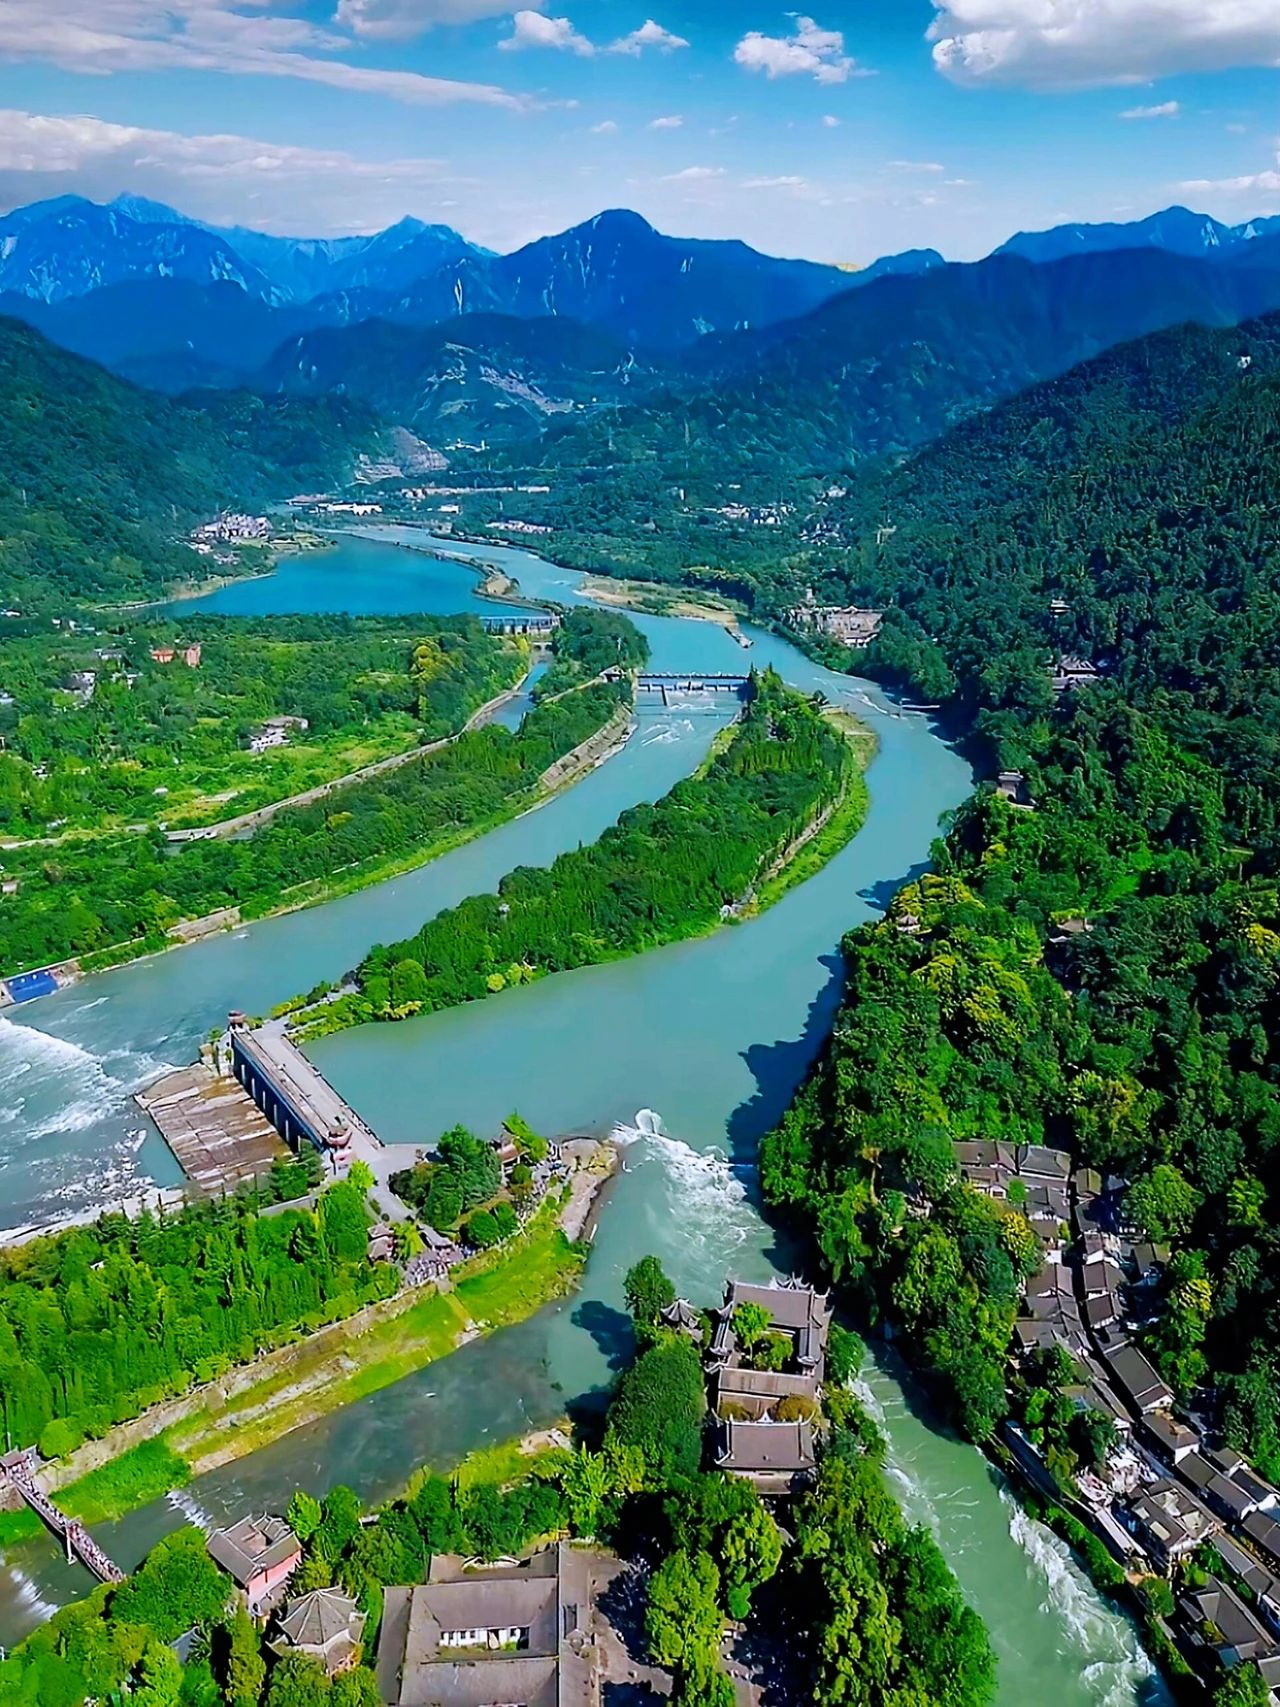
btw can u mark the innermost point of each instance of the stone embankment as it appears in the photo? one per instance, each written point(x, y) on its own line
point(592, 752)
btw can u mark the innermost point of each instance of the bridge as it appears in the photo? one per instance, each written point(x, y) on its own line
point(298, 1101)
point(20, 1469)
point(667, 683)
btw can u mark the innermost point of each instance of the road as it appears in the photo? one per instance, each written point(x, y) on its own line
point(264, 814)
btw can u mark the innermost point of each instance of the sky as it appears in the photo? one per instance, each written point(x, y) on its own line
point(864, 128)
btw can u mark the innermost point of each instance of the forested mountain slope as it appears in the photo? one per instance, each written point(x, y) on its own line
point(98, 481)
point(481, 374)
point(1139, 491)
point(887, 367)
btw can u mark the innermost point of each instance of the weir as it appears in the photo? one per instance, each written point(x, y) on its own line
point(687, 682)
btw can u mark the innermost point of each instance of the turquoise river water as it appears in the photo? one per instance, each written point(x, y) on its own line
point(712, 1037)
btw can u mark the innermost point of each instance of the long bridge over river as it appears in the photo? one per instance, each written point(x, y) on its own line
point(19, 1470)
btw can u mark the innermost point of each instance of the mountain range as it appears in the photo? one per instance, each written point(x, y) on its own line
point(614, 271)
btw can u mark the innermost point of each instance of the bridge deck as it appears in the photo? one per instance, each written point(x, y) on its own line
point(20, 1469)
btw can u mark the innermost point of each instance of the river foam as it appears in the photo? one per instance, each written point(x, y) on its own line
point(704, 1199)
point(1115, 1666)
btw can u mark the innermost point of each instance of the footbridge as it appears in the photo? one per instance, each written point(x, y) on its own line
point(680, 684)
point(19, 1469)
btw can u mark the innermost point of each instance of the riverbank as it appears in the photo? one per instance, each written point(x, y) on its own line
point(781, 763)
point(603, 744)
point(287, 1389)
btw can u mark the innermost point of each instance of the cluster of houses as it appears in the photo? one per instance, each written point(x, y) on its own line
point(230, 528)
point(754, 515)
point(525, 1631)
point(764, 1416)
point(1167, 1489)
point(851, 625)
point(260, 1554)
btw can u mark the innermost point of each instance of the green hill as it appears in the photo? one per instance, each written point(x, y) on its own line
point(99, 481)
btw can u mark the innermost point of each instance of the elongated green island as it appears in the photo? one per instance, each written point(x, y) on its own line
point(715, 848)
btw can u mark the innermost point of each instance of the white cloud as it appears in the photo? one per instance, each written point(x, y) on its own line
point(693, 175)
point(789, 182)
point(1166, 110)
point(648, 35)
point(673, 121)
point(1253, 187)
point(809, 51)
point(1082, 43)
point(236, 36)
point(606, 127)
point(398, 20)
point(830, 121)
point(533, 29)
point(916, 166)
point(221, 178)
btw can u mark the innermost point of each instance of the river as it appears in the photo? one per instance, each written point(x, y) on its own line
point(709, 1037)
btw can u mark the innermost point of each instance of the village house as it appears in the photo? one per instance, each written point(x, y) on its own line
point(274, 732)
point(1069, 674)
point(1172, 1440)
point(1168, 1522)
point(259, 1554)
point(326, 1625)
point(1137, 1379)
point(1218, 1620)
point(526, 1634)
point(1011, 786)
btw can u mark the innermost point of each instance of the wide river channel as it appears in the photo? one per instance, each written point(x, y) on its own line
point(711, 1036)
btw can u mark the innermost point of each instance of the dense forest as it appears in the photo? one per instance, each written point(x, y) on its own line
point(98, 1323)
point(587, 643)
point(81, 898)
point(98, 730)
point(1136, 494)
point(662, 872)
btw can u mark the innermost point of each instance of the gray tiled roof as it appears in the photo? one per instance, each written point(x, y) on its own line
point(253, 1545)
point(766, 1446)
point(321, 1619)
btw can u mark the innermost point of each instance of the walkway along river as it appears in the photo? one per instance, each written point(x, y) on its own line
point(713, 1035)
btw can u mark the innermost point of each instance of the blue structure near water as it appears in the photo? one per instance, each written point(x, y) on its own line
point(28, 985)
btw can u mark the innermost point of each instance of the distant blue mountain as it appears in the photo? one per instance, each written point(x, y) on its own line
point(1176, 230)
point(615, 272)
point(67, 247)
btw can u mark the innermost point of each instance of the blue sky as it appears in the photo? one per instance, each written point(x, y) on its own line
point(864, 128)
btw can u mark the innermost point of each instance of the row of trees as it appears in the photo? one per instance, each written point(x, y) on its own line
point(100, 1322)
point(662, 872)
